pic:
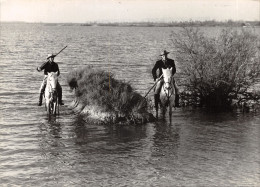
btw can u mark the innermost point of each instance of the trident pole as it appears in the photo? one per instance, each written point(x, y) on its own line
point(61, 50)
point(55, 55)
point(153, 86)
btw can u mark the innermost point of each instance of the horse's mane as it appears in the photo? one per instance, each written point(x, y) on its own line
point(52, 74)
point(167, 72)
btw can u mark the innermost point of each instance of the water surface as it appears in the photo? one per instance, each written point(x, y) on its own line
point(199, 148)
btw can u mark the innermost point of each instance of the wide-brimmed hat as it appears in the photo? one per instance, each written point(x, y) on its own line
point(164, 53)
point(50, 56)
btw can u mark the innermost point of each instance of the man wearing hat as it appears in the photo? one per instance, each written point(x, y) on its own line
point(164, 63)
point(49, 66)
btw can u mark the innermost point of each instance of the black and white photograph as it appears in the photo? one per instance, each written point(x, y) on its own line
point(138, 93)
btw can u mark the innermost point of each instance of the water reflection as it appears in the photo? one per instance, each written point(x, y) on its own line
point(50, 141)
point(196, 146)
point(80, 130)
point(166, 137)
point(107, 139)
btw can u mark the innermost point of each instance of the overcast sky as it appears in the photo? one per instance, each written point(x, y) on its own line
point(81, 11)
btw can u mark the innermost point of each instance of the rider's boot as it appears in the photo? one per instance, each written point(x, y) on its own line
point(177, 98)
point(156, 101)
point(40, 99)
point(60, 97)
point(60, 102)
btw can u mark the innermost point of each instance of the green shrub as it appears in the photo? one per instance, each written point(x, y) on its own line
point(217, 71)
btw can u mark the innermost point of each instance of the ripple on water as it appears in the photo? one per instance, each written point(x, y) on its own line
point(199, 148)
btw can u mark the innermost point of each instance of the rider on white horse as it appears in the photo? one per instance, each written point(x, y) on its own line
point(48, 67)
point(164, 63)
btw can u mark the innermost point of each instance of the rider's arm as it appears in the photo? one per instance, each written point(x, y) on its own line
point(156, 66)
point(58, 70)
point(173, 67)
point(40, 68)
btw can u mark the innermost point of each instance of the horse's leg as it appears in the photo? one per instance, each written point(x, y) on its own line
point(163, 111)
point(47, 101)
point(156, 103)
point(54, 108)
point(57, 108)
point(170, 112)
point(57, 105)
point(48, 107)
point(45, 98)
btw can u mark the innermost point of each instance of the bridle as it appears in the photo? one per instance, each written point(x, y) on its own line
point(166, 89)
point(52, 91)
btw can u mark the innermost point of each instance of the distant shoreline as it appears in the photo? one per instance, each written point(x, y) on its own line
point(178, 24)
point(212, 23)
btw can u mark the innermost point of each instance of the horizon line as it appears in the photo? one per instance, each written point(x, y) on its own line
point(118, 22)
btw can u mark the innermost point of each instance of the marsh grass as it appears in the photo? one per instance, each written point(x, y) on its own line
point(99, 88)
point(218, 71)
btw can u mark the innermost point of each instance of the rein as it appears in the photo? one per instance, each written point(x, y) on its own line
point(52, 91)
point(165, 89)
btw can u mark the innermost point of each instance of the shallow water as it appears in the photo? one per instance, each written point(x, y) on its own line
point(199, 148)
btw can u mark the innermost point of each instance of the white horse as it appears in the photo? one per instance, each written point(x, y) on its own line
point(51, 95)
point(167, 94)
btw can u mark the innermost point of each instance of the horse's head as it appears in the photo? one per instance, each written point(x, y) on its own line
point(167, 77)
point(53, 80)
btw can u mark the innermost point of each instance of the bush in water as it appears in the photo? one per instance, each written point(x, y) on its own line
point(96, 87)
point(217, 71)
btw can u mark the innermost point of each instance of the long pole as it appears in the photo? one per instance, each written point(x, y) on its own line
point(60, 51)
point(54, 55)
point(153, 86)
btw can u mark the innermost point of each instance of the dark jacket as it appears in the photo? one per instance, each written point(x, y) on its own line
point(47, 67)
point(160, 64)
